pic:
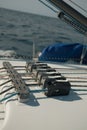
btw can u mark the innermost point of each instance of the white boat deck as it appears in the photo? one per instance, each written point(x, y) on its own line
point(43, 113)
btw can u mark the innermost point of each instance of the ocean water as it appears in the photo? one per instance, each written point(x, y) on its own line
point(20, 31)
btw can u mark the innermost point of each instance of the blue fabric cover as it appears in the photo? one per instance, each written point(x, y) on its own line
point(63, 52)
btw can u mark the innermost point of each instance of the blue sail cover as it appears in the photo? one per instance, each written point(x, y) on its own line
point(63, 52)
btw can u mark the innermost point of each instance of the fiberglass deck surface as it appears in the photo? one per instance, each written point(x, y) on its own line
point(54, 113)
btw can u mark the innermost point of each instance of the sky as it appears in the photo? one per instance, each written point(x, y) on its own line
point(34, 6)
point(31, 6)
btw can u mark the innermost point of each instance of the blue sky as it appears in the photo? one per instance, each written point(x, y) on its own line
point(34, 6)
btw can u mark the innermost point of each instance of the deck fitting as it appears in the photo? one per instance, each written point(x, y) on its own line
point(19, 84)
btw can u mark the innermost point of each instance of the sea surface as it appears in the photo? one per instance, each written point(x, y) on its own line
point(21, 32)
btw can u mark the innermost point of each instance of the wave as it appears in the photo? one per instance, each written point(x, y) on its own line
point(7, 53)
point(11, 26)
point(26, 26)
point(10, 54)
point(21, 40)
